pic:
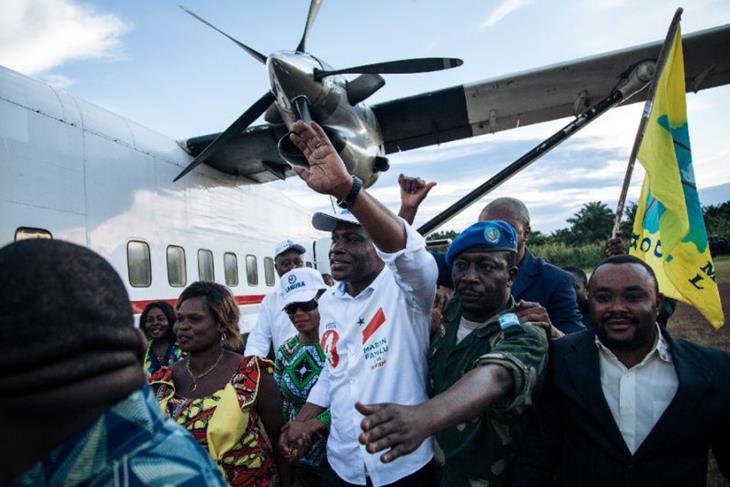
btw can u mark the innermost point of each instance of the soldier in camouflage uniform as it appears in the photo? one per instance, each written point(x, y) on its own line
point(483, 372)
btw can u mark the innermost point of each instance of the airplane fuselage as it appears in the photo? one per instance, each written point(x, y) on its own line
point(71, 170)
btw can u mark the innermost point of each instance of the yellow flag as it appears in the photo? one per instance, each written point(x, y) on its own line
point(669, 231)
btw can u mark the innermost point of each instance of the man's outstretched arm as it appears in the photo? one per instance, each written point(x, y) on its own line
point(401, 429)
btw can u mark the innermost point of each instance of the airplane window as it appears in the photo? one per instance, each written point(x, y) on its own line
point(206, 272)
point(230, 265)
point(26, 233)
point(176, 275)
point(138, 263)
point(309, 264)
point(252, 270)
point(269, 271)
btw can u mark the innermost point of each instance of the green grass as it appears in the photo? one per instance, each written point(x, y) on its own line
point(588, 256)
point(582, 256)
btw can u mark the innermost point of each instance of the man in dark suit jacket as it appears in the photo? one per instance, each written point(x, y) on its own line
point(627, 404)
point(545, 294)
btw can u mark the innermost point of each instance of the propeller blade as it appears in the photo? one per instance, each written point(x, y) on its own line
point(257, 55)
point(313, 11)
point(236, 128)
point(418, 65)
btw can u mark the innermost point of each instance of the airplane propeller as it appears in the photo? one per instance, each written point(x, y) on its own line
point(256, 55)
point(236, 128)
point(403, 66)
point(313, 11)
point(357, 90)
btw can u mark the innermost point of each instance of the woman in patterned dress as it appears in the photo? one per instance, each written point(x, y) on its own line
point(229, 403)
point(299, 361)
point(156, 322)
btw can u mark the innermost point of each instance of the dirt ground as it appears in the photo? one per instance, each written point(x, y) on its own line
point(689, 324)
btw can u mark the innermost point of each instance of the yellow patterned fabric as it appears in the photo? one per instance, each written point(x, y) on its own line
point(226, 422)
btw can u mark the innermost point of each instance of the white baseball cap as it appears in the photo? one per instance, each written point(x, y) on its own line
point(301, 285)
point(327, 223)
point(288, 245)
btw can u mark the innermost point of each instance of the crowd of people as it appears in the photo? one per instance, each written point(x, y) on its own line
point(481, 366)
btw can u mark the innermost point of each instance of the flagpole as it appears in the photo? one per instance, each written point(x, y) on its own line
point(661, 61)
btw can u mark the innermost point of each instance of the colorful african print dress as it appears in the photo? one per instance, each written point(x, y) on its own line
point(226, 423)
point(298, 366)
point(152, 364)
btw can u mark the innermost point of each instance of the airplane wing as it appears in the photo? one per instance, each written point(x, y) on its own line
point(251, 155)
point(487, 106)
point(540, 95)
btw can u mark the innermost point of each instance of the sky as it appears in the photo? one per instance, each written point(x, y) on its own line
point(154, 64)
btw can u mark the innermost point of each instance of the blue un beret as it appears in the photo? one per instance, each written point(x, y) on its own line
point(487, 236)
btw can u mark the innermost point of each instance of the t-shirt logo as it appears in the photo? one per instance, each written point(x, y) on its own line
point(376, 350)
point(292, 279)
point(328, 342)
point(375, 322)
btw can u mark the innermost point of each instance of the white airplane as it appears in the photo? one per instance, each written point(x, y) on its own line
point(74, 171)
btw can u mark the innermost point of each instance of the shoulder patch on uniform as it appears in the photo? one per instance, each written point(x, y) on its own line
point(508, 320)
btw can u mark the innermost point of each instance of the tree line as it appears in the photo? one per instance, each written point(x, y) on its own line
point(581, 243)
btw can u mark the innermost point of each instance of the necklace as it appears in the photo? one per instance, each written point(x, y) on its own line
point(204, 373)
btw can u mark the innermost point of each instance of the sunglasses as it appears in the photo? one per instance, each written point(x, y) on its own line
point(305, 306)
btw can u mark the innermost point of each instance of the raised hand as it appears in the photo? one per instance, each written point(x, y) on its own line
point(413, 190)
point(326, 173)
point(614, 246)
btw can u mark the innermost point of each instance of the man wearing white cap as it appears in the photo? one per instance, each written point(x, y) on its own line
point(374, 325)
point(273, 326)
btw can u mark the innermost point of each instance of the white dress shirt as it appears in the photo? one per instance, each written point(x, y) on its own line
point(376, 345)
point(637, 397)
point(273, 326)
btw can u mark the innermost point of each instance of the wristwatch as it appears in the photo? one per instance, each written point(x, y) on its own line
point(352, 194)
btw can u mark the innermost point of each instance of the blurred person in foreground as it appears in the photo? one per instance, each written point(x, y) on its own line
point(156, 322)
point(229, 403)
point(626, 403)
point(483, 372)
point(299, 362)
point(76, 407)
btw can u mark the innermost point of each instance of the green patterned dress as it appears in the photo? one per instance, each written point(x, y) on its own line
point(297, 369)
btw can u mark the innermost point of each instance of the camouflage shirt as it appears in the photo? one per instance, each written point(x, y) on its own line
point(477, 453)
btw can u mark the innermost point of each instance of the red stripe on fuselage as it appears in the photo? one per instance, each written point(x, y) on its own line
point(245, 299)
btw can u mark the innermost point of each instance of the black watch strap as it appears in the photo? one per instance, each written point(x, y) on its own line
point(352, 194)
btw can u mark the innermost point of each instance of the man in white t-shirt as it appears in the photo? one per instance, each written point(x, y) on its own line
point(273, 326)
point(374, 324)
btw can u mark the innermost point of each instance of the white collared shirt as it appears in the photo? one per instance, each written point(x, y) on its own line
point(376, 345)
point(273, 326)
point(637, 397)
